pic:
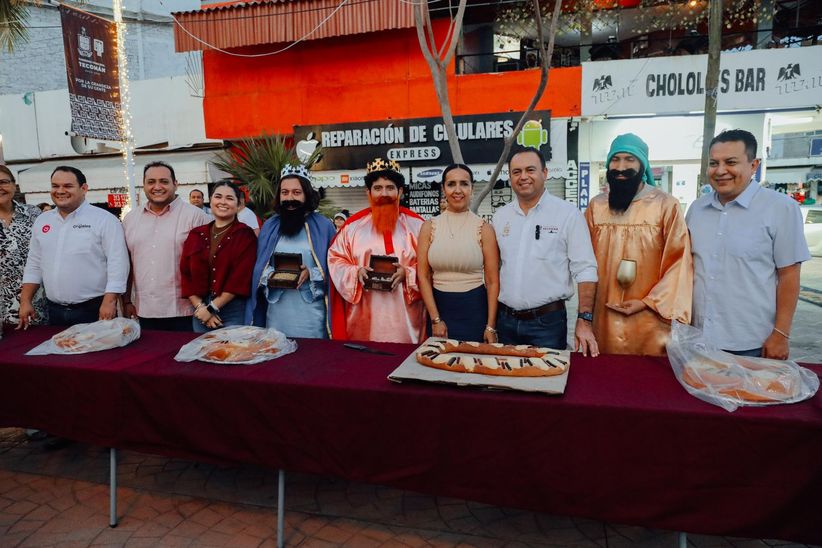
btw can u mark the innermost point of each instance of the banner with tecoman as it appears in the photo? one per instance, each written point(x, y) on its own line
point(90, 44)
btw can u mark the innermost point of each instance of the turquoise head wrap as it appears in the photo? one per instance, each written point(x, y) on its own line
point(631, 144)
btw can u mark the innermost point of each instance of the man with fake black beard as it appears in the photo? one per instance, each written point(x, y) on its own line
point(394, 312)
point(296, 239)
point(643, 256)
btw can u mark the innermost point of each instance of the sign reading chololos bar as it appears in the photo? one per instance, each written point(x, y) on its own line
point(90, 44)
point(420, 141)
point(756, 79)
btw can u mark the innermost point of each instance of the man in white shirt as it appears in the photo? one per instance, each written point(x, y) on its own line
point(748, 245)
point(246, 216)
point(77, 253)
point(154, 235)
point(545, 247)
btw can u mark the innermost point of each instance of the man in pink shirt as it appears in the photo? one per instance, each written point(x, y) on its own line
point(154, 235)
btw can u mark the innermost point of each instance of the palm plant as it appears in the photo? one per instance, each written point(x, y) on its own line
point(13, 30)
point(256, 163)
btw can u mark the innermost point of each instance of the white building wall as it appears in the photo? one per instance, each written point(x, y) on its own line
point(34, 126)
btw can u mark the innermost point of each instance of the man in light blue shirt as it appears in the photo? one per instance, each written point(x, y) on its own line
point(748, 246)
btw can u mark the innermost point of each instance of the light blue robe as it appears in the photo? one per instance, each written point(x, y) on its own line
point(297, 312)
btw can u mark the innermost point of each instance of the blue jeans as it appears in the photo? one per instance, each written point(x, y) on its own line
point(549, 330)
point(231, 314)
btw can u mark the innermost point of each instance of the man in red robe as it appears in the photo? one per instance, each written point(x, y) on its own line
point(385, 228)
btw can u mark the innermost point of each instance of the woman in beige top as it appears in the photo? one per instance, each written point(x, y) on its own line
point(458, 265)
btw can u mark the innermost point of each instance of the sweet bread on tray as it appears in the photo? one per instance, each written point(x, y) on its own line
point(242, 345)
point(509, 360)
point(757, 380)
point(95, 336)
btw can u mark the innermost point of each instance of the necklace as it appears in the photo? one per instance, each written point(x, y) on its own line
point(448, 224)
point(215, 233)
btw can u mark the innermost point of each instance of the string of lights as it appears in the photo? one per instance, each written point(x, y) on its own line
point(125, 107)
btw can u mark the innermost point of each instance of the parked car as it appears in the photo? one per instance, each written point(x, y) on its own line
point(812, 217)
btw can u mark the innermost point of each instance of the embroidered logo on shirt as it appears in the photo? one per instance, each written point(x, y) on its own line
point(46, 228)
point(549, 229)
point(80, 226)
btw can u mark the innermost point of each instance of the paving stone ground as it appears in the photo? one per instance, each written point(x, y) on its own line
point(61, 498)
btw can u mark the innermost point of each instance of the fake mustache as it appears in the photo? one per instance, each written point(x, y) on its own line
point(291, 204)
point(629, 173)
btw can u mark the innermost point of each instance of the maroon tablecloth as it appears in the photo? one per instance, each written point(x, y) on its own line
point(625, 443)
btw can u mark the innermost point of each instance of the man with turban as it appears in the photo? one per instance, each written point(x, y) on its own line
point(358, 313)
point(641, 227)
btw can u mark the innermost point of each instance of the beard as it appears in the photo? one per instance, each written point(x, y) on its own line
point(622, 191)
point(292, 217)
point(384, 213)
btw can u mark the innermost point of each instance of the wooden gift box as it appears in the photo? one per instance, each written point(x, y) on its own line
point(383, 270)
point(286, 270)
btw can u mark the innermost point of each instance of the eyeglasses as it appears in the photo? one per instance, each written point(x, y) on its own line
point(6, 182)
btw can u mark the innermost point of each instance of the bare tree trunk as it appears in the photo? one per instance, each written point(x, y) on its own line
point(438, 64)
point(545, 64)
point(711, 86)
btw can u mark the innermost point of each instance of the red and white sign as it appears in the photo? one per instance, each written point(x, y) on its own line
point(117, 200)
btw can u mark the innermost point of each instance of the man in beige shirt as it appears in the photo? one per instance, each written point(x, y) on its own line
point(154, 235)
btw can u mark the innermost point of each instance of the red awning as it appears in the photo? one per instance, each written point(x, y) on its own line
point(234, 25)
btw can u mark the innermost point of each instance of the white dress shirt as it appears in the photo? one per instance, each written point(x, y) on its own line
point(538, 270)
point(737, 249)
point(246, 216)
point(77, 258)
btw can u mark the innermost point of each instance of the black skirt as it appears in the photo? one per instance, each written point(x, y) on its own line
point(465, 313)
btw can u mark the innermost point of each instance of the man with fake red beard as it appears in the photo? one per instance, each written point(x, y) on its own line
point(638, 228)
point(393, 310)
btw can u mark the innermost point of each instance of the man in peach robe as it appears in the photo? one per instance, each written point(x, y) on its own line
point(385, 228)
point(638, 222)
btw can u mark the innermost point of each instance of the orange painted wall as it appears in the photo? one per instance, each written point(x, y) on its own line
point(355, 79)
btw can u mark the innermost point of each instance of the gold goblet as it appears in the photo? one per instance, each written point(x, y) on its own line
point(626, 275)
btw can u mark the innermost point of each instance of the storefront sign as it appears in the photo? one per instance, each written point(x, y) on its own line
point(756, 79)
point(584, 185)
point(424, 198)
point(90, 44)
point(117, 200)
point(418, 141)
point(572, 172)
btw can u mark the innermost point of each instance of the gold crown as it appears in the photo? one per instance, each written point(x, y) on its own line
point(382, 165)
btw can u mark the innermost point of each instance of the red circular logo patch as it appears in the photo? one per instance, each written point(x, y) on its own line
point(46, 228)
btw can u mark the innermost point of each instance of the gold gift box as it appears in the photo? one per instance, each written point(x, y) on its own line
point(286, 270)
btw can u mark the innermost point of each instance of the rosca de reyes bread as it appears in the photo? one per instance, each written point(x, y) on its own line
point(219, 349)
point(748, 380)
point(100, 335)
point(492, 358)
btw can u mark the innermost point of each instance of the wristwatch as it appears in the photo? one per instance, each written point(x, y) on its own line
point(587, 316)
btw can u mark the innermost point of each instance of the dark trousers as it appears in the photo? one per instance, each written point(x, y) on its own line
point(70, 314)
point(178, 323)
point(752, 353)
point(549, 330)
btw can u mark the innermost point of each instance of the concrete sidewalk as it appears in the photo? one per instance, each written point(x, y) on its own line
point(61, 499)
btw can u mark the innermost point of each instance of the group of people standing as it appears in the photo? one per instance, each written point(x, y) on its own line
point(636, 262)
